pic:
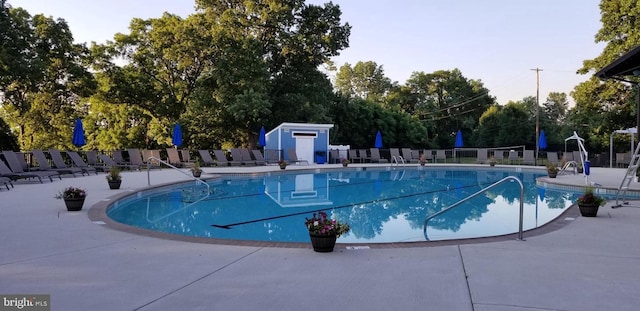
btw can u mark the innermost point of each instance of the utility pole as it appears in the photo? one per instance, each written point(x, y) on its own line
point(537, 70)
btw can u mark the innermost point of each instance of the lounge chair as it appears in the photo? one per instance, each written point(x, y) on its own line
point(415, 156)
point(206, 158)
point(353, 156)
point(14, 170)
point(482, 156)
point(441, 155)
point(293, 157)
point(174, 157)
point(135, 156)
point(78, 162)
point(111, 162)
point(43, 164)
point(364, 157)
point(498, 155)
point(428, 155)
point(552, 157)
point(185, 155)
point(271, 156)
point(59, 162)
point(6, 181)
point(529, 157)
point(92, 158)
point(334, 156)
point(118, 157)
point(577, 157)
point(620, 160)
point(375, 156)
point(513, 157)
point(23, 162)
point(257, 154)
point(236, 155)
point(568, 157)
point(395, 156)
point(151, 153)
point(406, 155)
point(222, 160)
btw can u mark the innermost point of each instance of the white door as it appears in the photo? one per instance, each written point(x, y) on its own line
point(304, 148)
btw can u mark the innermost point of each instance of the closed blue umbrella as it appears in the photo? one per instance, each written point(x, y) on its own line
point(542, 141)
point(262, 139)
point(78, 134)
point(459, 142)
point(176, 140)
point(378, 143)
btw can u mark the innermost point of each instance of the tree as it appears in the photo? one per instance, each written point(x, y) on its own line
point(556, 106)
point(446, 100)
point(365, 80)
point(273, 50)
point(506, 126)
point(165, 58)
point(357, 121)
point(43, 78)
point(602, 107)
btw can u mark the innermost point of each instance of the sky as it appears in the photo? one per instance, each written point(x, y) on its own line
point(499, 42)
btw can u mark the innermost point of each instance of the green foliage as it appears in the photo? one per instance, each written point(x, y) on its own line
point(42, 77)
point(365, 80)
point(356, 122)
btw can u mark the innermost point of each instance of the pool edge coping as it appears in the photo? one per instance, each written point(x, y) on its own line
point(97, 214)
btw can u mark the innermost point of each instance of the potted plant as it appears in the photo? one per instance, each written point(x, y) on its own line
point(324, 231)
point(283, 164)
point(196, 170)
point(114, 179)
point(492, 161)
point(589, 203)
point(73, 198)
point(552, 170)
point(579, 168)
point(423, 159)
point(345, 162)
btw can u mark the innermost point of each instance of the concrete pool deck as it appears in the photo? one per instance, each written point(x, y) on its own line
point(588, 264)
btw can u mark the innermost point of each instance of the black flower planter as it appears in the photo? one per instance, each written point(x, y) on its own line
point(552, 174)
point(197, 174)
point(114, 184)
point(323, 243)
point(74, 204)
point(589, 210)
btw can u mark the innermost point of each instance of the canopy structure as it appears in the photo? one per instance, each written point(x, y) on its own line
point(632, 131)
point(626, 65)
point(583, 152)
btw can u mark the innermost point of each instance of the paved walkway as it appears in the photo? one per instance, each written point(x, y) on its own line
point(588, 264)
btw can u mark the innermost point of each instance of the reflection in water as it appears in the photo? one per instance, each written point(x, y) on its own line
point(380, 205)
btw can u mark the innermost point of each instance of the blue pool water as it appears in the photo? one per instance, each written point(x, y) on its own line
point(380, 205)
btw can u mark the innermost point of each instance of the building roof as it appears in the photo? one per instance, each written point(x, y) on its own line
point(626, 65)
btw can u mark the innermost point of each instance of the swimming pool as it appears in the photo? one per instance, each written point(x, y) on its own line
point(382, 205)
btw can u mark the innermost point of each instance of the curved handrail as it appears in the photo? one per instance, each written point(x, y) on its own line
point(198, 180)
point(426, 221)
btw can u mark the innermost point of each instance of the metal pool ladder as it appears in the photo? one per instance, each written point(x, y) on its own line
point(198, 180)
point(512, 178)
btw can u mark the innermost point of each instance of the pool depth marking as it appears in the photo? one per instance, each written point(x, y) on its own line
point(228, 226)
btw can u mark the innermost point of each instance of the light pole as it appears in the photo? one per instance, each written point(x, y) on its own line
point(537, 70)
